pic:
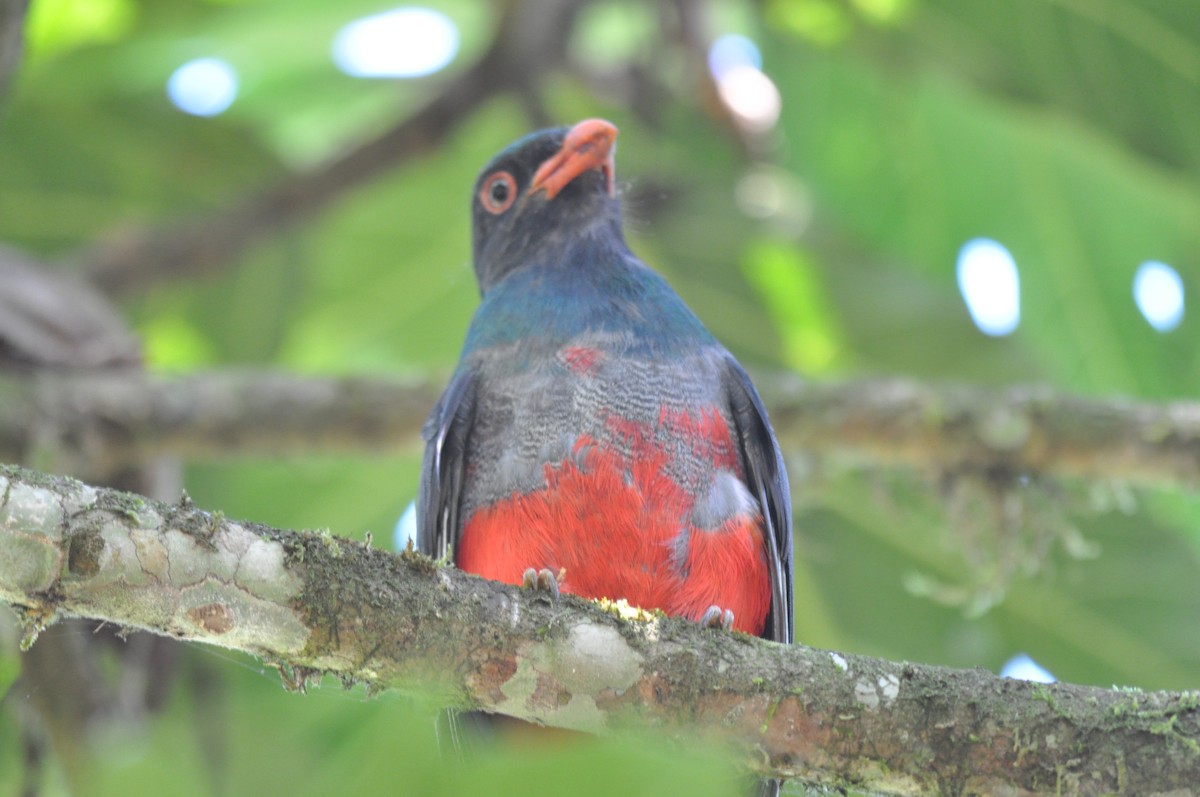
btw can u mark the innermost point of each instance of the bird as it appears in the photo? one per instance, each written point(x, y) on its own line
point(595, 438)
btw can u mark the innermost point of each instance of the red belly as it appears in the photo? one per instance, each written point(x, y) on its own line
point(617, 524)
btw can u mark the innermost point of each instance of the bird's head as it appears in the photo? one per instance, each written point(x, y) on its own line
point(543, 195)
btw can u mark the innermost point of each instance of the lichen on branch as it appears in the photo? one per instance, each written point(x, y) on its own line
point(310, 603)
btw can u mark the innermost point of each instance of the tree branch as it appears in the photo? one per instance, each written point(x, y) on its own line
point(313, 603)
point(112, 418)
point(530, 37)
point(1015, 430)
point(85, 420)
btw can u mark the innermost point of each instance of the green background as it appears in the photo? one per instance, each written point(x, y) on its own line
point(1065, 129)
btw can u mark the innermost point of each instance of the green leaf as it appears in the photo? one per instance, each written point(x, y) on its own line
point(791, 288)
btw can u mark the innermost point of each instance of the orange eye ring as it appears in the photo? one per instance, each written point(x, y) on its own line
point(498, 192)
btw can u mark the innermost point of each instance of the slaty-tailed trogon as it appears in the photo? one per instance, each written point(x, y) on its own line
point(594, 428)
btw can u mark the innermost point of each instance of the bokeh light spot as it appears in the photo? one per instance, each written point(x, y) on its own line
point(990, 286)
point(759, 194)
point(203, 86)
point(405, 531)
point(1024, 668)
point(403, 42)
point(1158, 292)
point(730, 51)
point(751, 97)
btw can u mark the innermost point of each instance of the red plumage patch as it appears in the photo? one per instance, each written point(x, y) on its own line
point(708, 433)
point(619, 526)
point(580, 359)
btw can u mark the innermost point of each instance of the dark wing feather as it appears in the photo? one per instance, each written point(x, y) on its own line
point(440, 492)
point(767, 480)
point(439, 499)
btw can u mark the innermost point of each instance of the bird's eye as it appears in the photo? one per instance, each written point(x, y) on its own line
point(498, 193)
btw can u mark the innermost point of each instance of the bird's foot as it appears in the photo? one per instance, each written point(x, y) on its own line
point(715, 617)
point(541, 580)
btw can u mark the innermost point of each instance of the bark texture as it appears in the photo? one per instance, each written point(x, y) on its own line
point(78, 420)
point(312, 603)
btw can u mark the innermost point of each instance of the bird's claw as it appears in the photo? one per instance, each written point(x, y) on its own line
point(715, 617)
point(542, 580)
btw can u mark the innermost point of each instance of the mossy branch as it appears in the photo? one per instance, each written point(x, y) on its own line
point(313, 603)
point(91, 421)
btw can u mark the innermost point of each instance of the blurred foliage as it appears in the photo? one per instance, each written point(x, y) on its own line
point(1064, 129)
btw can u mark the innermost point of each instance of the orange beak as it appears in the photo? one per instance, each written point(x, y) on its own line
point(588, 145)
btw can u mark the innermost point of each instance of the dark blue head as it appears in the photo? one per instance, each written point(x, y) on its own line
point(542, 196)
